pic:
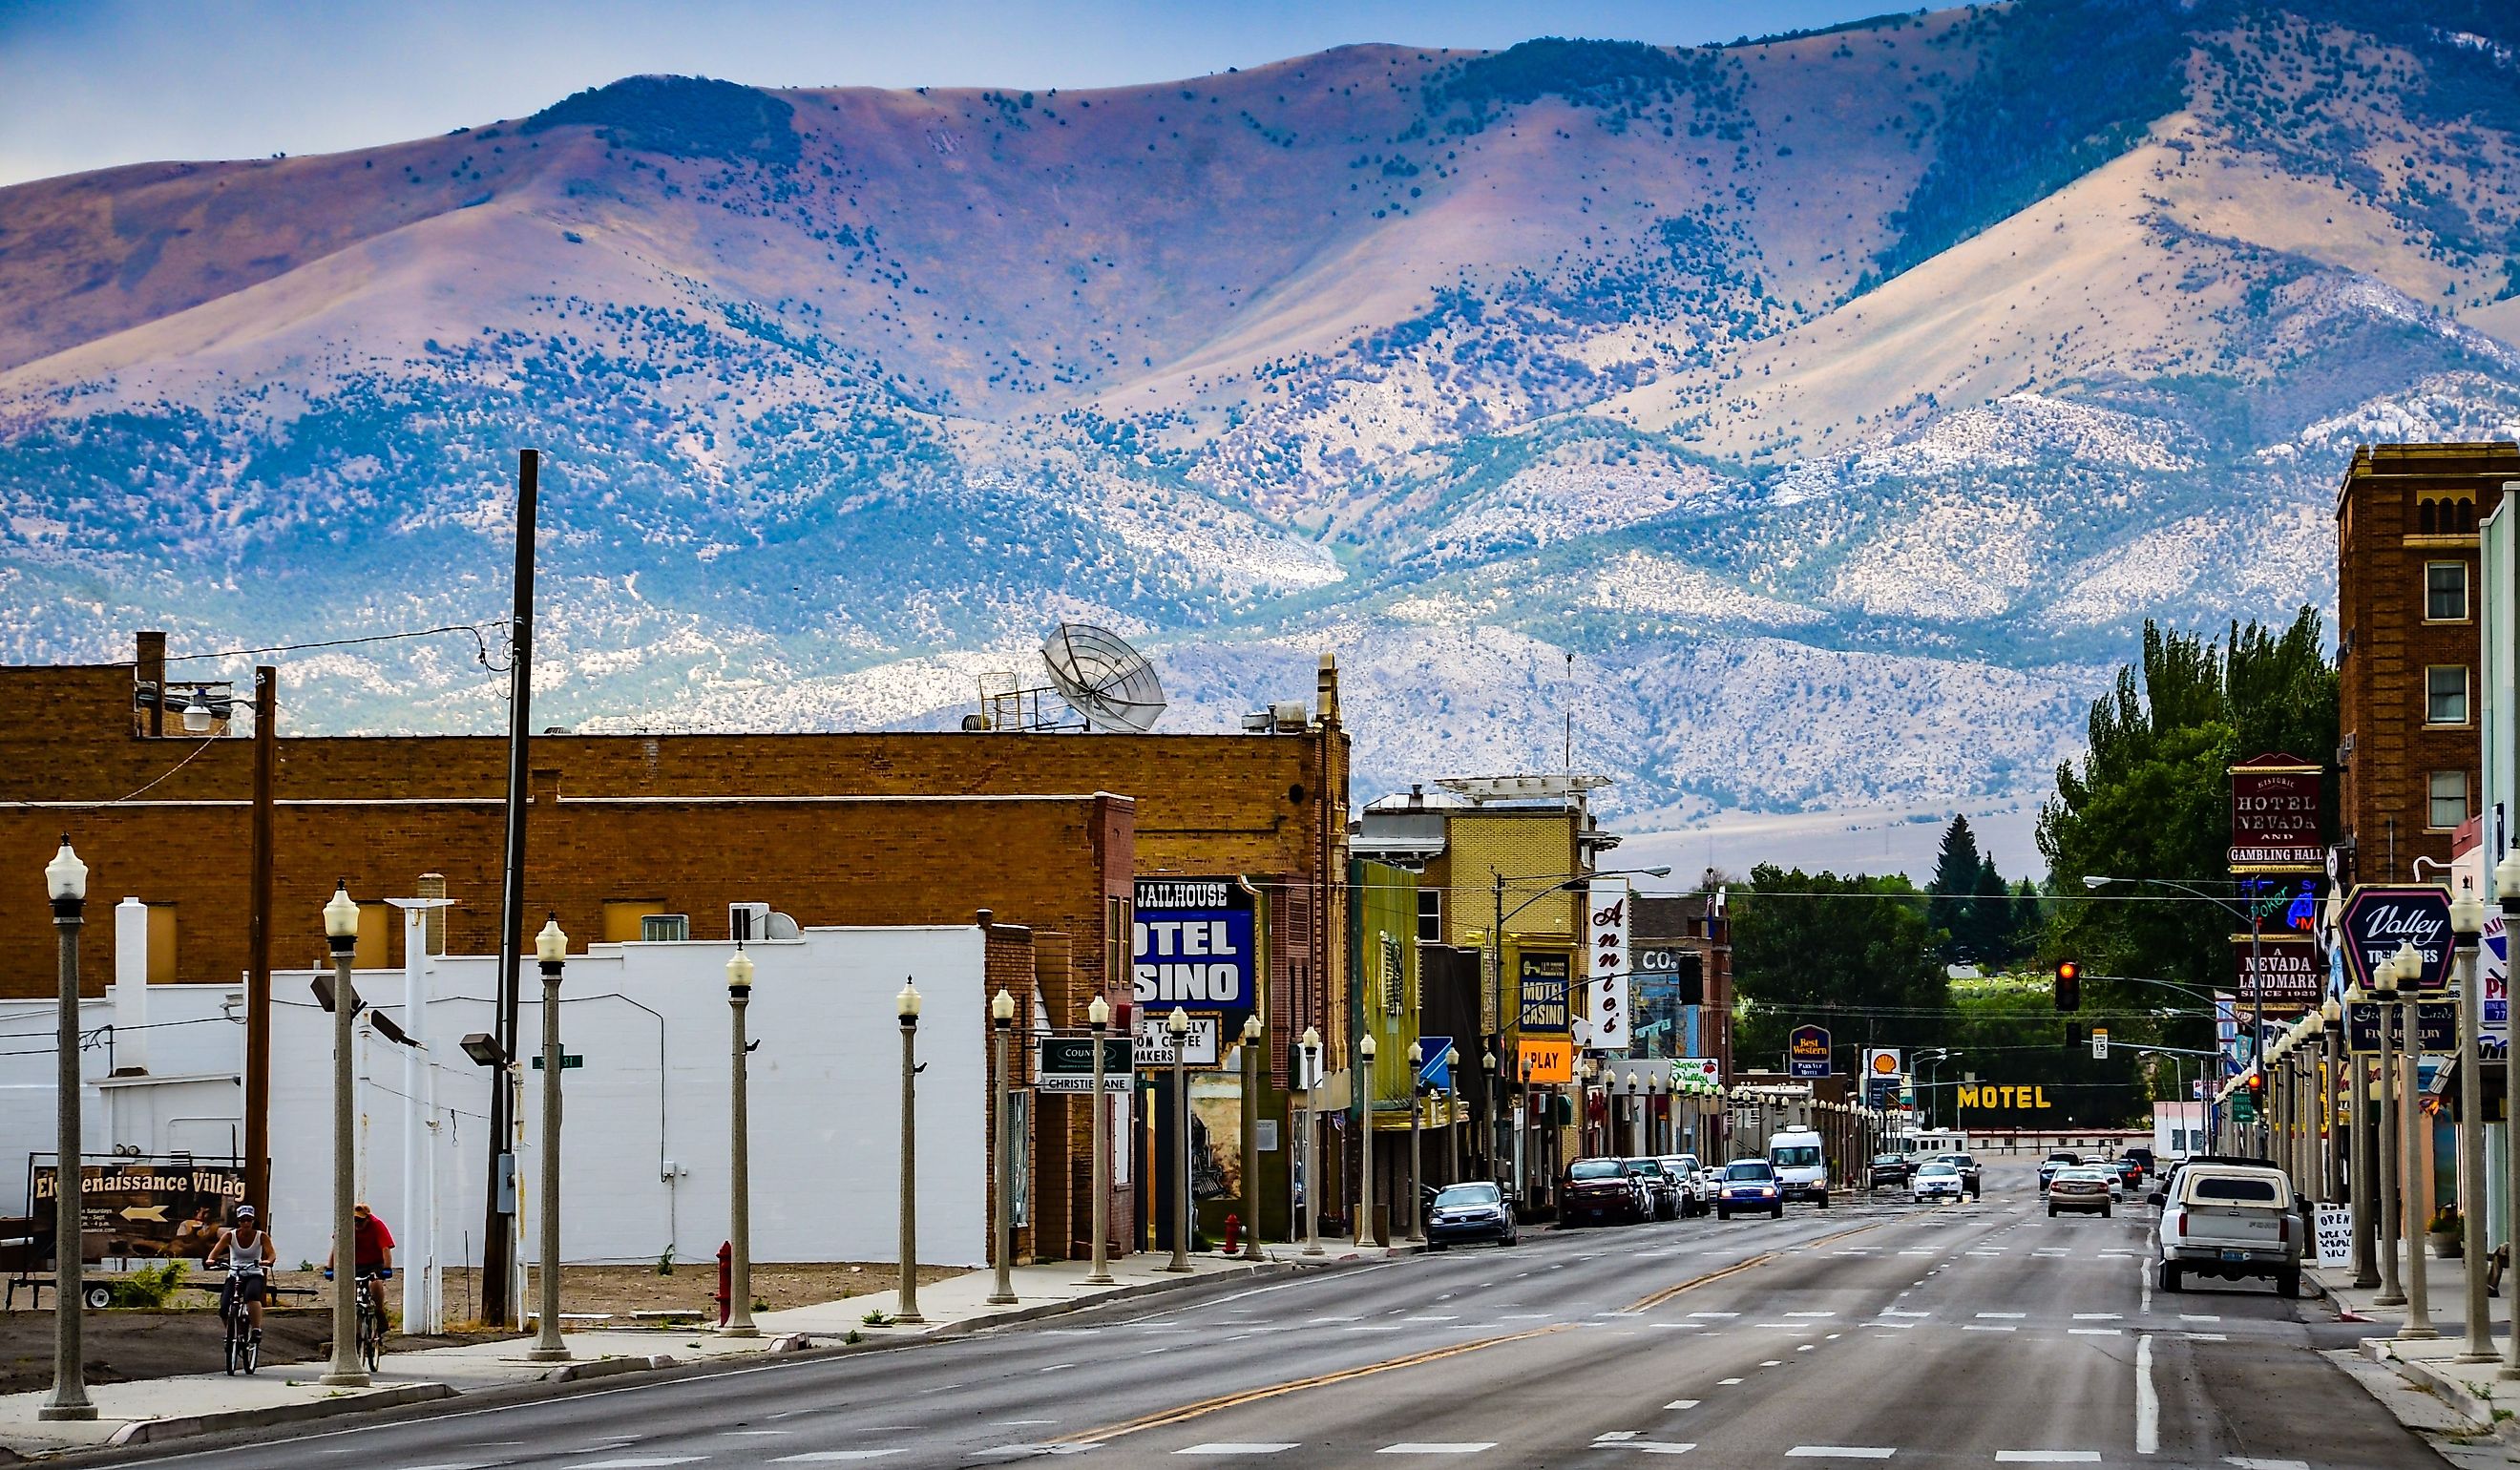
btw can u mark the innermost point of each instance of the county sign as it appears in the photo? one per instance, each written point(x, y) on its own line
point(2380, 919)
point(1807, 1051)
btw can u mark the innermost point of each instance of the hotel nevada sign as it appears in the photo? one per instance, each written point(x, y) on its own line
point(2275, 814)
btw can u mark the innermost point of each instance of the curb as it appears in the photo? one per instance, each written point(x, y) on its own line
point(152, 1431)
point(2478, 1412)
point(609, 1367)
point(971, 1324)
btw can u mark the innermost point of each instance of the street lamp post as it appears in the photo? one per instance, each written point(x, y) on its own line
point(550, 952)
point(341, 933)
point(2332, 1052)
point(1098, 1022)
point(738, 1148)
point(2506, 892)
point(906, 1006)
point(1311, 1043)
point(2384, 996)
point(2365, 1193)
point(2466, 923)
point(2411, 1226)
point(1177, 1027)
point(1001, 1022)
point(1460, 1118)
point(1364, 1090)
point(1252, 1034)
point(1417, 1144)
point(66, 880)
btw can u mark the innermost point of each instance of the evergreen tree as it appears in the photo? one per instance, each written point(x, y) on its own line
point(1853, 954)
point(1956, 879)
point(1992, 928)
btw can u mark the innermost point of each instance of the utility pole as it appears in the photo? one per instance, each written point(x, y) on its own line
point(258, 982)
point(499, 1219)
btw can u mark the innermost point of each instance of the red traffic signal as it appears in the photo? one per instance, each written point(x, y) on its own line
point(2069, 985)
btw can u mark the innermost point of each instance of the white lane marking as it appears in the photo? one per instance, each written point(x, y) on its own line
point(1681, 1403)
point(1901, 1311)
point(2108, 1331)
point(2051, 1457)
point(1726, 1382)
point(2147, 1401)
point(1542, 1317)
point(2014, 1317)
point(1393, 1326)
point(821, 1456)
point(1413, 1446)
point(1224, 1447)
point(643, 1461)
point(1989, 1327)
point(1642, 1446)
point(1833, 1314)
point(1456, 1318)
point(2111, 1316)
point(1808, 1347)
point(1840, 1452)
point(2205, 1337)
point(2252, 1462)
point(1356, 1319)
point(1928, 1253)
point(1608, 1436)
point(1059, 1367)
point(2207, 1316)
point(1729, 1315)
point(1023, 1423)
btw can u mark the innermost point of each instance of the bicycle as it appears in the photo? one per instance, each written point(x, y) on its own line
point(243, 1350)
point(372, 1314)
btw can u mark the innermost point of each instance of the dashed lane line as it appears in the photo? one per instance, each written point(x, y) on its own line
point(1841, 1452)
point(1228, 1447)
point(2046, 1457)
point(1417, 1447)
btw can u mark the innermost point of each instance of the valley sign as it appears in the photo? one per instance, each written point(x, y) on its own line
point(2379, 918)
point(1195, 947)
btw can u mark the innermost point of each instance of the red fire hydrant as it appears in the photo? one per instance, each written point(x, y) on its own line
point(725, 1279)
point(1232, 1231)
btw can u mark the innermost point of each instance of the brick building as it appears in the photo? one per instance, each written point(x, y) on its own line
point(1047, 832)
point(2407, 597)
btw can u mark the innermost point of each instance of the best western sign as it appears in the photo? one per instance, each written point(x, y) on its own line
point(2004, 1096)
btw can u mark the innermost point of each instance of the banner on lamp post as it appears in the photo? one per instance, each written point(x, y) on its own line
point(1605, 964)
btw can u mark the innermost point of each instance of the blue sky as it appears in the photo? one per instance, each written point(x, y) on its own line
point(93, 83)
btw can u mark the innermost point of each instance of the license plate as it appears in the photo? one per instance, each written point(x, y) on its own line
point(2236, 1255)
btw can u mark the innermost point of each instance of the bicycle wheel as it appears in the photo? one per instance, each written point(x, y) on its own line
point(252, 1350)
point(234, 1345)
point(372, 1333)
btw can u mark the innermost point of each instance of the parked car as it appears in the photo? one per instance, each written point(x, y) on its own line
point(2082, 1189)
point(1471, 1212)
point(1892, 1168)
point(1695, 1198)
point(2049, 1166)
point(1662, 1191)
point(1973, 1176)
point(1601, 1189)
point(1749, 1185)
point(2130, 1172)
point(2229, 1220)
point(1936, 1179)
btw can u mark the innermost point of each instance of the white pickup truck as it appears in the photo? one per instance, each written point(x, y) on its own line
point(2229, 1220)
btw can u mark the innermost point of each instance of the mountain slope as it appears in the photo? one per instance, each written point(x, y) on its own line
point(1841, 400)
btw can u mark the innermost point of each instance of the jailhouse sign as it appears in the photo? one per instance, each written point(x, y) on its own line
point(1195, 947)
point(2274, 814)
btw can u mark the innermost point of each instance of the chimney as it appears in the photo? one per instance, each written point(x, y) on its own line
point(152, 676)
point(1326, 690)
point(1417, 797)
point(432, 885)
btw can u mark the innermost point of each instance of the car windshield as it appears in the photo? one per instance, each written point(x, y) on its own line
point(1685, 1164)
point(1650, 1168)
point(1889, 1158)
point(2064, 1158)
point(1468, 1194)
point(1955, 1160)
point(1754, 1170)
point(2085, 1175)
point(1596, 1169)
point(2236, 1187)
point(1938, 1168)
point(1798, 1156)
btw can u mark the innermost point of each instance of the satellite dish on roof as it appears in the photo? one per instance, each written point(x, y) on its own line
point(1103, 678)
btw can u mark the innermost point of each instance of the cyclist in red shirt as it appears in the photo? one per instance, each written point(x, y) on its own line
point(373, 1248)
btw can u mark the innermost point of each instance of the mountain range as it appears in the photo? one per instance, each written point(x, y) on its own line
point(1810, 421)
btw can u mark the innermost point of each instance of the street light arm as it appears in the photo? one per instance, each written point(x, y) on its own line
point(2216, 900)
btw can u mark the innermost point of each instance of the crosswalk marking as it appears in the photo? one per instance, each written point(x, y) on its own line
point(1644, 1447)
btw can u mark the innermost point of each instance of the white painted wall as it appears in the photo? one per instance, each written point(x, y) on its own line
point(652, 1022)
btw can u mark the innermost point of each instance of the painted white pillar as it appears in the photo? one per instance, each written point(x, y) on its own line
point(131, 987)
point(417, 1245)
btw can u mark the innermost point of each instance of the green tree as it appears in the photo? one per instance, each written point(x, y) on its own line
point(2150, 799)
point(1853, 954)
point(1993, 930)
point(1956, 870)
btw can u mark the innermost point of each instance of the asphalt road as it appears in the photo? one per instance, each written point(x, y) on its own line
point(1968, 1335)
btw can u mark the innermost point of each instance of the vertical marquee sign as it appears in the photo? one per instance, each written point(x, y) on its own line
point(1605, 965)
point(2274, 816)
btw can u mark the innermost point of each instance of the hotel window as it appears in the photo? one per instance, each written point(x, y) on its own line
point(2446, 694)
point(1430, 915)
point(2449, 805)
point(2445, 591)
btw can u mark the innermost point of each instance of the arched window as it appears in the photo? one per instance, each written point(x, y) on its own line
point(2426, 521)
point(2467, 518)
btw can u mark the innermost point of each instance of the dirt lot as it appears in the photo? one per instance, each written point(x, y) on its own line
point(184, 1338)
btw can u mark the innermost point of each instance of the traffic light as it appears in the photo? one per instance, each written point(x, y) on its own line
point(2073, 1036)
point(2069, 985)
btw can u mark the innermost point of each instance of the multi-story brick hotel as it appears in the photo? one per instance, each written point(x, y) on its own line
point(2407, 611)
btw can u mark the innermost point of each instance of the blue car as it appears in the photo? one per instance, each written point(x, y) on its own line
point(1749, 1185)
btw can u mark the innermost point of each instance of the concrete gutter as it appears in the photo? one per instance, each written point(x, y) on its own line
point(158, 1430)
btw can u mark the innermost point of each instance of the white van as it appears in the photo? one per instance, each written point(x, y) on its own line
point(1802, 1170)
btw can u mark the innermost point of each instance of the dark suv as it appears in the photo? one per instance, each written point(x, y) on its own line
point(1662, 1191)
point(1598, 1190)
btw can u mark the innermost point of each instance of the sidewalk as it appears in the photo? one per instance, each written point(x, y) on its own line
point(150, 1410)
point(2478, 1394)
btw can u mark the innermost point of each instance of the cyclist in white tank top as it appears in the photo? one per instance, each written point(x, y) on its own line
point(245, 1248)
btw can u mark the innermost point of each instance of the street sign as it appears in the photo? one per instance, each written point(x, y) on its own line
point(1434, 1071)
point(1807, 1051)
point(2099, 1044)
point(1154, 1041)
point(569, 1061)
point(1065, 1064)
